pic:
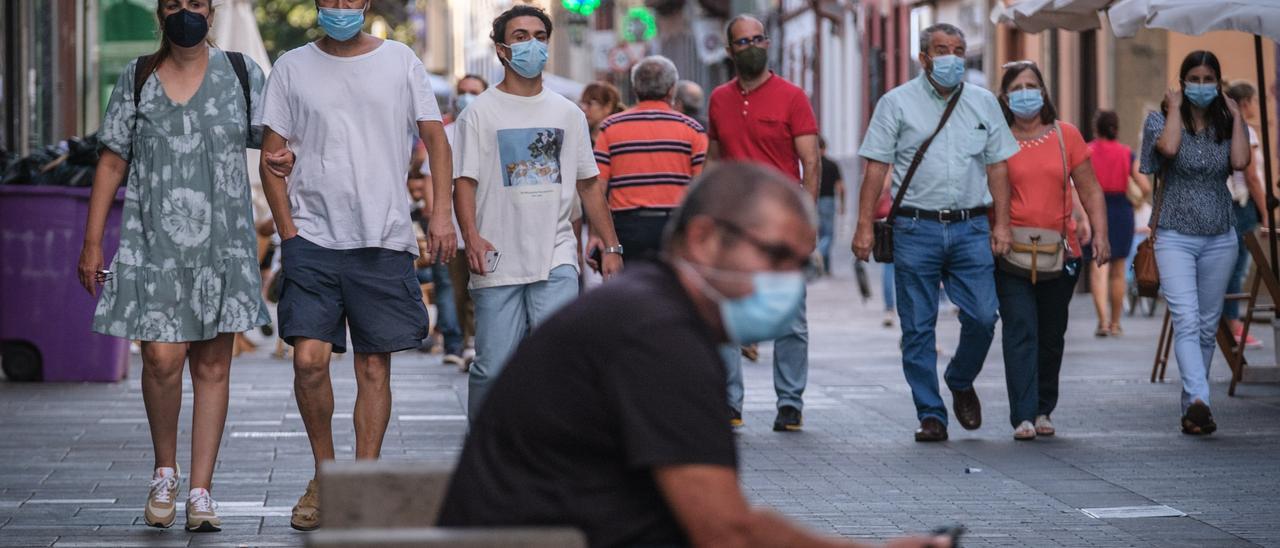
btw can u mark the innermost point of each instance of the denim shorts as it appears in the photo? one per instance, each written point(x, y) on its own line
point(372, 290)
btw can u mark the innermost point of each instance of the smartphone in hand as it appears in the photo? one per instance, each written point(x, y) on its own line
point(491, 259)
point(598, 258)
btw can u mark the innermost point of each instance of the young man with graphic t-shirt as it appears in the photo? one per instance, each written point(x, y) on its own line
point(520, 155)
point(345, 105)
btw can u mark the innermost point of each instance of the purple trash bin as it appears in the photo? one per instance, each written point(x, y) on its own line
point(45, 314)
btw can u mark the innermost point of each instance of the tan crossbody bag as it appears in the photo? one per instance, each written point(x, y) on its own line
point(1040, 253)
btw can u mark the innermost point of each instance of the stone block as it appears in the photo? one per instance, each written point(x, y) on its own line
point(371, 494)
point(433, 537)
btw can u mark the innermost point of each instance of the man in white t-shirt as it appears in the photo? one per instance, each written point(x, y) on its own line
point(347, 105)
point(454, 275)
point(521, 153)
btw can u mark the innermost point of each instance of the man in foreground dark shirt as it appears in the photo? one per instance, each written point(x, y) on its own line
point(610, 417)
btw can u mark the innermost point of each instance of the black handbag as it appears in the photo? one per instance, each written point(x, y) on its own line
point(882, 248)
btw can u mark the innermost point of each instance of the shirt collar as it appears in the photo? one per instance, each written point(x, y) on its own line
point(737, 83)
point(654, 104)
point(933, 92)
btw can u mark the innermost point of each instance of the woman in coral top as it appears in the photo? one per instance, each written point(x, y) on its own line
point(1035, 313)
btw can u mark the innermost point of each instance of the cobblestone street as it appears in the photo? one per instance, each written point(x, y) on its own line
point(75, 459)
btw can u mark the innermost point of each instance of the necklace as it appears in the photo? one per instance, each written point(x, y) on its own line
point(1037, 141)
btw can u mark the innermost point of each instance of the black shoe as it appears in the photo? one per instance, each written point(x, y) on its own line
point(967, 408)
point(931, 430)
point(735, 418)
point(789, 420)
point(1199, 420)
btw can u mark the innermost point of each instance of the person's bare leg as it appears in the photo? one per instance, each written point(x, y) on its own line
point(210, 379)
point(373, 403)
point(1098, 287)
point(1119, 287)
point(162, 396)
point(313, 389)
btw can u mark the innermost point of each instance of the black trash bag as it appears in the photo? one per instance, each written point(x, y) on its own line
point(69, 164)
point(81, 161)
point(26, 171)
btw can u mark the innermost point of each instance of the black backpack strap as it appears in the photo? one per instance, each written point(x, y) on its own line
point(142, 70)
point(242, 73)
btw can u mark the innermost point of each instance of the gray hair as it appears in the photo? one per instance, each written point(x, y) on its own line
point(685, 94)
point(926, 35)
point(653, 77)
point(733, 192)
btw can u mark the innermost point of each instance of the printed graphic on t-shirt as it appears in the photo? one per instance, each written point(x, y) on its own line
point(530, 156)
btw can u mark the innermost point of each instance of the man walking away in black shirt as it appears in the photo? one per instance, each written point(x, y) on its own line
point(610, 417)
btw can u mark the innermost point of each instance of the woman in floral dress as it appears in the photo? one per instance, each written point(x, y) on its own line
point(185, 279)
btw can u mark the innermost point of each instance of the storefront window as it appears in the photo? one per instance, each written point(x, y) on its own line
point(127, 30)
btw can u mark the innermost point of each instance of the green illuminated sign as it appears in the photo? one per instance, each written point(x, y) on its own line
point(639, 24)
point(581, 7)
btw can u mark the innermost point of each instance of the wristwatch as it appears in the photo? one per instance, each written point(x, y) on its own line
point(614, 249)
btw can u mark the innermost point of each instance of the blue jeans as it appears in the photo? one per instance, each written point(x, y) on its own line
point(886, 286)
point(826, 229)
point(1034, 321)
point(446, 309)
point(1194, 272)
point(790, 365)
point(957, 255)
point(504, 315)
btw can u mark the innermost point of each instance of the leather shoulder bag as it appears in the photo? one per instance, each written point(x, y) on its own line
point(1145, 271)
point(882, 249)
point(1039, 253)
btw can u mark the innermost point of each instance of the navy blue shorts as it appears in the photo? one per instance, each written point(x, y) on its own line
point(372, 290)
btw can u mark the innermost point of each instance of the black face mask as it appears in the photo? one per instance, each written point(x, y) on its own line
point(185, 28)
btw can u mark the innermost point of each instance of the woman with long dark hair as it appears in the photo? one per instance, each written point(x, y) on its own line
point(185, 278)
point(1115, 166)
point(1192, 145)
point(1052, 165)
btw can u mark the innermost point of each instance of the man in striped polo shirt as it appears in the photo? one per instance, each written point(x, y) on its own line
point(648, 155)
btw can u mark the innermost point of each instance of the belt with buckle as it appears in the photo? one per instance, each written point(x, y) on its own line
point(944, 216)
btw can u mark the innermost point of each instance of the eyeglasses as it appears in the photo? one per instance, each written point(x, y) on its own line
point(777, 253)
point(1018, 64)
point(752, 41)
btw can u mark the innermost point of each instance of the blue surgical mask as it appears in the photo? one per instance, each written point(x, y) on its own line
point(340, 24)
point(528, 57)
point(1026, 103)
point(948, 71)
point(1201, 95)
point(762, 315)
point(461, 101)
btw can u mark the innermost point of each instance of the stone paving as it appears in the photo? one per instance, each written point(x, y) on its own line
point(75, 459)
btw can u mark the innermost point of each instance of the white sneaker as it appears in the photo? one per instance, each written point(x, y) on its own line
point(889, 318)
point(454, 360)
point(1043, 426)
point(1024, 431)
point(202, 514)
point(468, 358)
point(162, 507)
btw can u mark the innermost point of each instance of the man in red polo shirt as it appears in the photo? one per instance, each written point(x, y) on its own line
point(762, 118)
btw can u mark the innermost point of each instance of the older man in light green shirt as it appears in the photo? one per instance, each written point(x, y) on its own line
point(953, 218)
